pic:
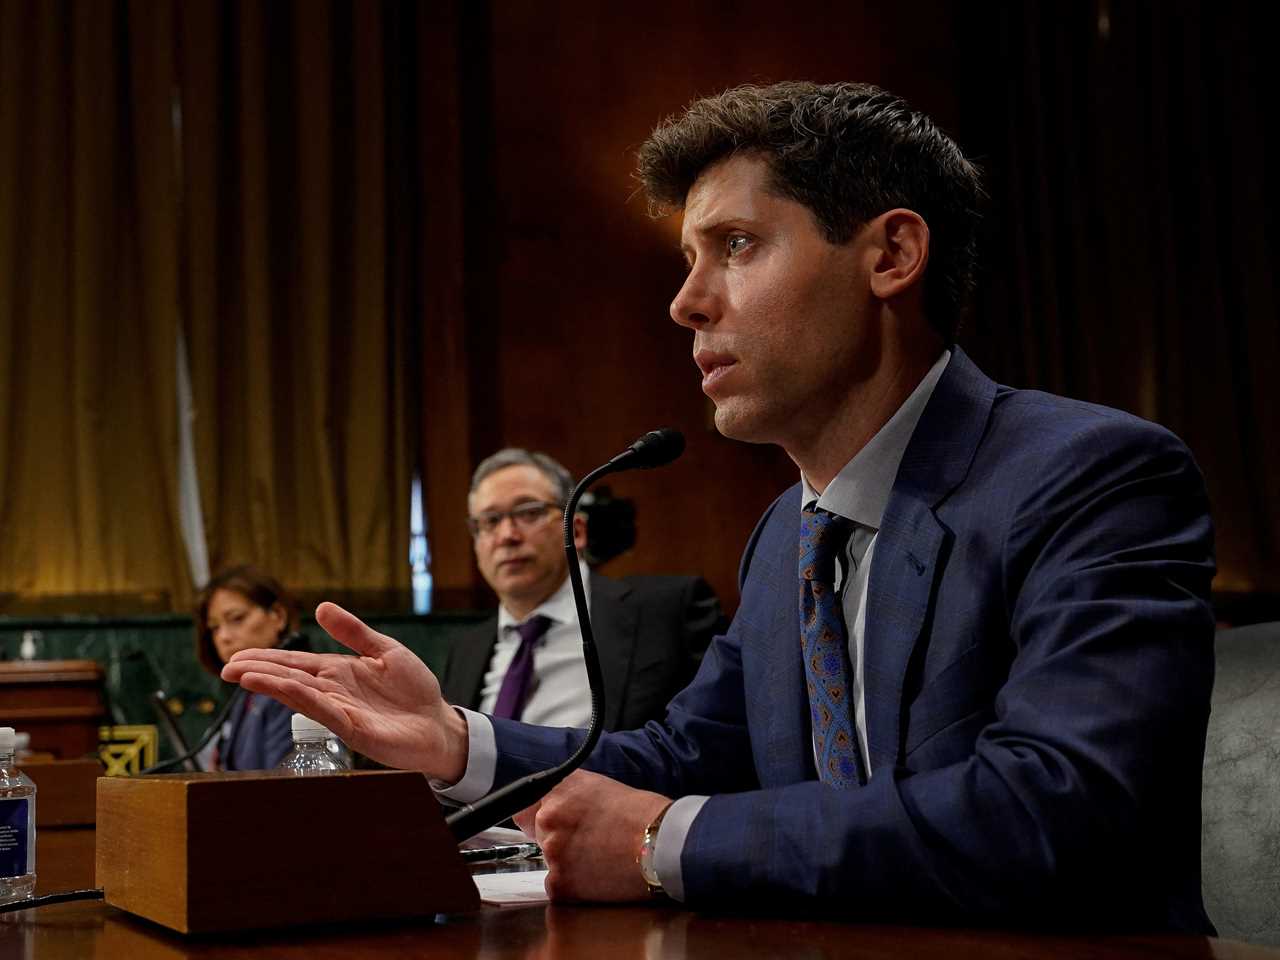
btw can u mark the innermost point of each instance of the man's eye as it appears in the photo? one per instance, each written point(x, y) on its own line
point(736, 244)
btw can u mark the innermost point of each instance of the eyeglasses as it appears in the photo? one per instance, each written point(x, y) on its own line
point(526, 517)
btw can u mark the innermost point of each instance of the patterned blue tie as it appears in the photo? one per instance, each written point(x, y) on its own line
point(825, 648)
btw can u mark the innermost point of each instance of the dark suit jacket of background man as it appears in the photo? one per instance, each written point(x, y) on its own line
point(651, 633)
point(1038, 663)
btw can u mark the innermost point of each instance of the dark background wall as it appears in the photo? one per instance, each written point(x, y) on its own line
point(1118, 138)
point(569, 279)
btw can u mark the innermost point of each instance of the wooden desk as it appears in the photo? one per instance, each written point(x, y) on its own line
point(74, 931)
point(59, 702)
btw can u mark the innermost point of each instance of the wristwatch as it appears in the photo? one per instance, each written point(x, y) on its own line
point(648, 869)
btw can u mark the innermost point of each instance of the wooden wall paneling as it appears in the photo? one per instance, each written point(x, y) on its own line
point(585, 357)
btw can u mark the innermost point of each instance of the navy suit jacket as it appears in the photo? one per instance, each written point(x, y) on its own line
point(1038, 664)
point(258, 731)
point(650, 632)
point(260, 734)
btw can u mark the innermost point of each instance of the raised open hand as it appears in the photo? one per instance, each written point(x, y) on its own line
point(384, 703)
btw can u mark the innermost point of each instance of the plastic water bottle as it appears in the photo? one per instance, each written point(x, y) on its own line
point(338, 750)
point(17, 825)
point(310, 754)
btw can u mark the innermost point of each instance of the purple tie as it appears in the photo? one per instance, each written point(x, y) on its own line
point(518, 683)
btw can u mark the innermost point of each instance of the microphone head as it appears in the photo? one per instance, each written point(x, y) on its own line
point(655, 449)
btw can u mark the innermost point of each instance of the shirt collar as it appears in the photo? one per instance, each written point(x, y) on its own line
point(559, 607)
point(860, 491)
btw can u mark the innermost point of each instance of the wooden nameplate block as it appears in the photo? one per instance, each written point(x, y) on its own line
point(208, 852)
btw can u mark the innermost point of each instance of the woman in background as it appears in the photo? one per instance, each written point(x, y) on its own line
point(239, 609)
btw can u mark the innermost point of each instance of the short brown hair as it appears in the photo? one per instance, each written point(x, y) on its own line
point(846, 151)
point(255, 585)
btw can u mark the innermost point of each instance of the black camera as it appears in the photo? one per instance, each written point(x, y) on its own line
point(611, 525)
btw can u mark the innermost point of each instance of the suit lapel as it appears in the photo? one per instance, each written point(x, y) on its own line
point(469, 661)
point(899, 597)
point(912, 545)
point(768, 621)
point(614, 623)
point(789, 742)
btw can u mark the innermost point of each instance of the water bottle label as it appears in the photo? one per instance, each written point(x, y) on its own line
point(13, 837)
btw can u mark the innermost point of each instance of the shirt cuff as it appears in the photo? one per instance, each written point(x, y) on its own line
point(482, 762)
point(670, 845)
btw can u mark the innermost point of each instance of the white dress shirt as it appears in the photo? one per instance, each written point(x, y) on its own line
point(859, 492)
point(561, 696)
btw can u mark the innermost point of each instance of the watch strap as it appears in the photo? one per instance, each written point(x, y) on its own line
point(648, 847)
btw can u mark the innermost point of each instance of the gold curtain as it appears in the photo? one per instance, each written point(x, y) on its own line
point(88, 295)
point(297, 331)
point(230, 170)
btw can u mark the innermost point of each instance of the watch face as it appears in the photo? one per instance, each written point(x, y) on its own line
point(647, 871)
point(648, 845)
point(647, 868)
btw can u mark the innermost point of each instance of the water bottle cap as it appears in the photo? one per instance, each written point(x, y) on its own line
point(7, 739)
point(306, 727)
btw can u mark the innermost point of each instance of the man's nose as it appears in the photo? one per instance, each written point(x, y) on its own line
point(694, 304)
point(507, 530)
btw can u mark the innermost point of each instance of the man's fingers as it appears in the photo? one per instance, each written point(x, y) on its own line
point(274, 668)
point(350, 631)
point(525, 819)
point(245, 660)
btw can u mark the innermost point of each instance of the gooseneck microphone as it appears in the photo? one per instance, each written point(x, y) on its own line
point(655, 449)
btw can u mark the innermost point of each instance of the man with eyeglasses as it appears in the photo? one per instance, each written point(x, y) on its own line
point(526, 661)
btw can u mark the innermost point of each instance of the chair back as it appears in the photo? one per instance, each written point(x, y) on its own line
point(1240, 838)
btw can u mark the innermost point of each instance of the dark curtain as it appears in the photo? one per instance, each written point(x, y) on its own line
point(88, 306)
point(1134, 231)
point(300, 308)
point(255, 176)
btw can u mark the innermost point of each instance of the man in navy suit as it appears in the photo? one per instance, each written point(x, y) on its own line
point(1005, 722)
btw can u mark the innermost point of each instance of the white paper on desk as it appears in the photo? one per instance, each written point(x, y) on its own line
point(521, 888)
point(496, 836)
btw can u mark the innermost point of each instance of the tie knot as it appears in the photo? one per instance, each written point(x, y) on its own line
point(822, 537)
point(531, 630)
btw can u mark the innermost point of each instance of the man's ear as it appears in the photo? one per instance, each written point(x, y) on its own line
point(901, 240)
point(579, 532)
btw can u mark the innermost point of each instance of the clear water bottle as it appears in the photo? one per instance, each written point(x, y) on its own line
point(17, 825)
point(310, 754)
point(338, 750)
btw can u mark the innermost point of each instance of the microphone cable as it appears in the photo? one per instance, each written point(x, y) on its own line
point(45, 899)
point(214, 726)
